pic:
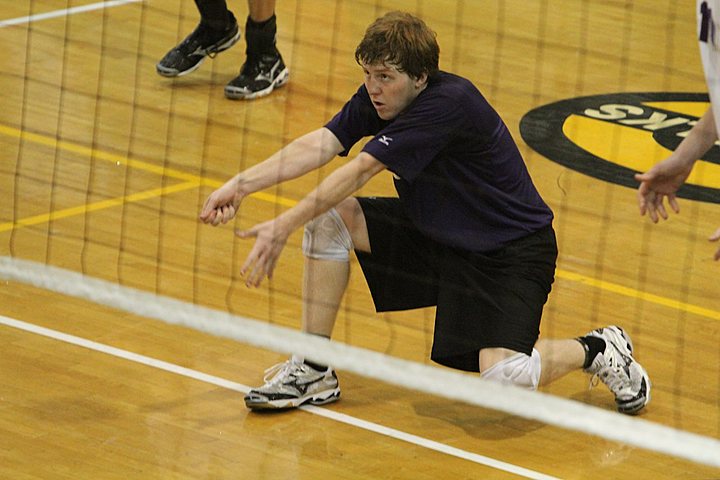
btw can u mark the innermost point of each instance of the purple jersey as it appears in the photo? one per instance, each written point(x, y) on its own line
point(458, 171)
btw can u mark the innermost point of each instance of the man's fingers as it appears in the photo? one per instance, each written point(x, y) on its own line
point(250, 260)
point(642, 203)
point(257, 273)
point(272, 267)
point(218, 215)
point(228, 212)
point(642, 177)
point(206, 210)
point(246, 233)
point(207, 217)
point(715, 236)
point(651, 209)
point(255, 267)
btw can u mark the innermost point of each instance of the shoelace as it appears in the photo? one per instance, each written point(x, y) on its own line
point(194, 40)
point(199, 37)
point(257, 66)
point(614, 377)
point(280, 371)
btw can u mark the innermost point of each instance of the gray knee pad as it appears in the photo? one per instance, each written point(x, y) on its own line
point(327, 238)
point(520, 370)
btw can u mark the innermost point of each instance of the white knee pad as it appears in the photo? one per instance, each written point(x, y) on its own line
point(520, 370)
point(327, 238)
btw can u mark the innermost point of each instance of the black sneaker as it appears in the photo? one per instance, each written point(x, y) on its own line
point(259, 76)
point(190, 53)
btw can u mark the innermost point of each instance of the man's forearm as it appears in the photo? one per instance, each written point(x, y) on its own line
point(339, 185)
point(307, 153)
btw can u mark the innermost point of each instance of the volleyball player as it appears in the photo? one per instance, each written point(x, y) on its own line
point(467, 232)
point(665, 178)
point(263, 70)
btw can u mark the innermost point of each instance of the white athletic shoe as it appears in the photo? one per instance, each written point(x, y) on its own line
point(617, 369)
point(293, 383)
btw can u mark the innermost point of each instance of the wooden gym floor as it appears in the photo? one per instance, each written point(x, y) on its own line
point(104, 166)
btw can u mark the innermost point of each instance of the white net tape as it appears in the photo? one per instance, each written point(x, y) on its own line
point(450, 384)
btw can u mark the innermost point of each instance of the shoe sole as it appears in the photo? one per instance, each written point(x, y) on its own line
point(634, 406)
point(237, 94)
point(171, 72)
point(322, 398)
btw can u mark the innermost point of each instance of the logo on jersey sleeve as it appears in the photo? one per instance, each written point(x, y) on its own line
point(612, 137)
point(385, 140)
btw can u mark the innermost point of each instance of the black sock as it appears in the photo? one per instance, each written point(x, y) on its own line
point(215, 14)
point(316, 366)
point(260, 36)
point(593, 346)
point(270, 23)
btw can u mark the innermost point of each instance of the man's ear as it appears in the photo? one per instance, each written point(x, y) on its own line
point(421, 80)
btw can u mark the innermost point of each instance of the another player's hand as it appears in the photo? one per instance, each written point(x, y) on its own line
point(658, 183)
point(714, 238)
point(222, 205)
point(270, 239)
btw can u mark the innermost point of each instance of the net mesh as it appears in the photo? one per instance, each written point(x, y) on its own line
point(105, 166)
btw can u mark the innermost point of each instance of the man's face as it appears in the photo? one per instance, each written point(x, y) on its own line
point(391, 91)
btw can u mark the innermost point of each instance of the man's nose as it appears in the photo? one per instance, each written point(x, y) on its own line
point(373, 86)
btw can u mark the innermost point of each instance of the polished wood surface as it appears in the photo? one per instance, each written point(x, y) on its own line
point(104, 166)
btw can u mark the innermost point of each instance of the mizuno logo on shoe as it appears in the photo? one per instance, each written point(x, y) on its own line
point(292, 384)
point(270, 75)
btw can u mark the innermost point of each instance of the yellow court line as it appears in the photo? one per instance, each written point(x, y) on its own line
point(196, 181)
point(633, 293)
point(91, 207)
point(68, 146)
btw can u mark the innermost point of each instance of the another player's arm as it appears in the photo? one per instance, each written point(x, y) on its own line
point(666, 177)
point(699, 140)
point(306, 153)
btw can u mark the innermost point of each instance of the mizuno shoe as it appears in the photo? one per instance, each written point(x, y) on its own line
point(617, 369)
point(190, 53)
point(293, 383)
point(259, 75)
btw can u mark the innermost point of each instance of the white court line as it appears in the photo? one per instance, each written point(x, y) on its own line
point(230, 385)
point(64, 12)
point(446, 383)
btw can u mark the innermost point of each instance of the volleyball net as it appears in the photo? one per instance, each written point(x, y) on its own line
point(105, 167)
point(428, 379)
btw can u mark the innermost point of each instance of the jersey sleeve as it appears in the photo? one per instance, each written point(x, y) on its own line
point(356, 120)
point(415, 138)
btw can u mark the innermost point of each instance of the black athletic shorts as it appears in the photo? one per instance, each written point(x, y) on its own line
point(489, 299)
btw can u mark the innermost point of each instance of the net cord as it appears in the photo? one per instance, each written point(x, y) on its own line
point(453, 385)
